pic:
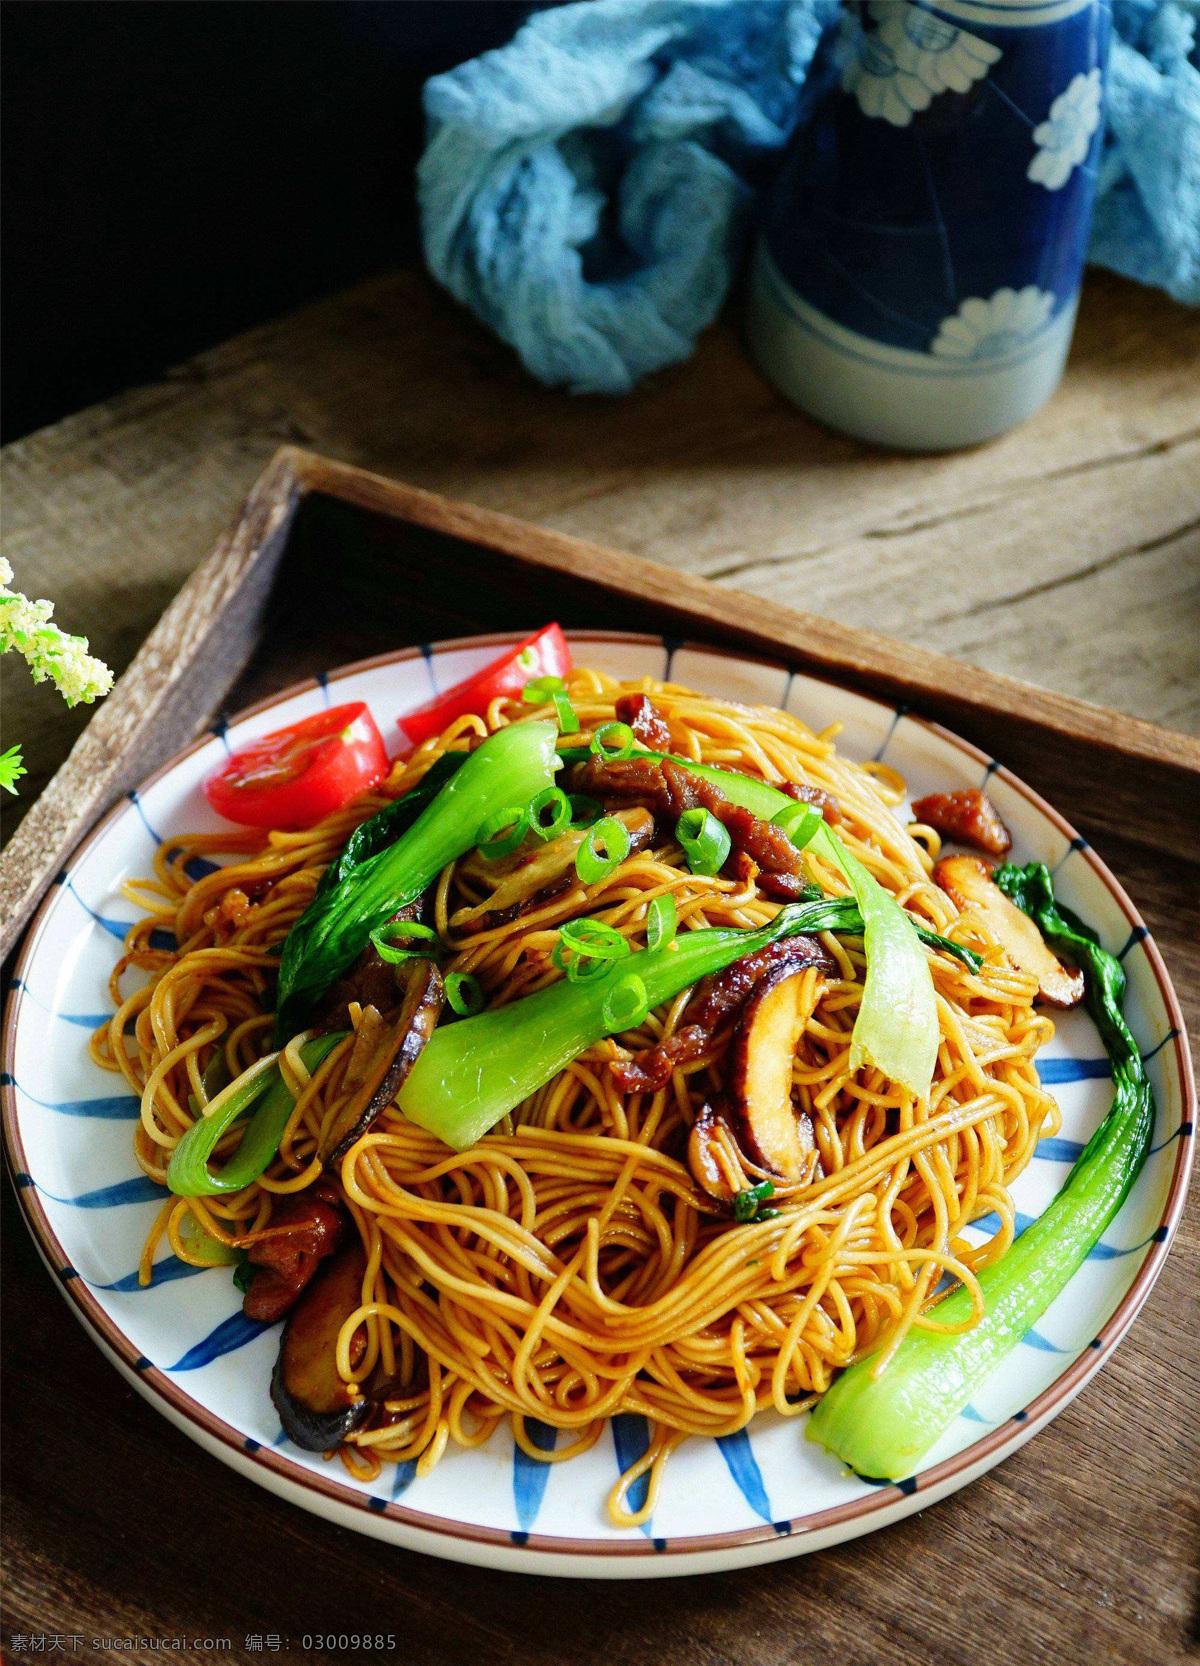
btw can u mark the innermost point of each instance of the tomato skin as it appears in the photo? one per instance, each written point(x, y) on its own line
point(293, 777)
point(545, 654)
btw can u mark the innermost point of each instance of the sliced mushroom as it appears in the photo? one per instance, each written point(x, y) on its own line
point(317, 1409)
point(720, 1167)
point(969, 883)
point(968, 817)
point(388, 1070)
point(711, 1156)
point(760, 1069)
point(543, 872)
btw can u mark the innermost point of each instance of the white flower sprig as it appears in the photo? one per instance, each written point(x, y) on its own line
point(25, 627)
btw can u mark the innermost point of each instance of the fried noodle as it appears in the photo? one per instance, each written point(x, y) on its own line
point(568, 1267)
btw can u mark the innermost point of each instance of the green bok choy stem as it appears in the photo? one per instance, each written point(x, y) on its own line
point(896, 1029)
point(882, 1426)
point(510, 767)
point(188, 1173)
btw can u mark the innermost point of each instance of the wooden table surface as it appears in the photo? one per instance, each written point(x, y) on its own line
point(1067, 553)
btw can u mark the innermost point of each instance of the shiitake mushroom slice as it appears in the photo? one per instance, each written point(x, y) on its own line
point(759, 1081)
point(969, 884)
point(317, 1409)
point(710, 1156)
point(388, 1070)
point(721, 1168)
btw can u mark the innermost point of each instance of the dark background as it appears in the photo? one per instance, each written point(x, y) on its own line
point(177, 170)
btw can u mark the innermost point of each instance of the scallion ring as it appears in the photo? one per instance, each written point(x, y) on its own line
point(407, 930)
point(613, 742)
point(540, 691)
point(585, 811)
point(662, 922)
point(609, 836)
point(586, 947)
point(493, 841)
point(464, 993)
point(626, 1004)
point(568, 722)
point(550, 813)
point(799, 822)
point(577, 968)
point(705, 842)
point(552, 691)
point(595, 937)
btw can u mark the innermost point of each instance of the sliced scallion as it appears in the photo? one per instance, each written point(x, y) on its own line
point(587, 948)
point(662, 922)
point(626, 1004)
point(568, 721)
point(542, 691)
point(384, 941)
point(613, 743)
point(605, 848)
point(502, 832)
point(706, 844)
point(464, 993)
point(550, 813)
point(585, 811)
point(539, 691)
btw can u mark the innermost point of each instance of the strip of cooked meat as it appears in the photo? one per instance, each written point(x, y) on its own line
point(305, 1227)
point(714, 999)
point(644, 718)
point(804, 794)
point(968, 817)
point(669, 789)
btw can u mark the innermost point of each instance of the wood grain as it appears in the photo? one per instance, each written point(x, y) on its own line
point(175, 681)
point(704, 469)
point(1083, 1547)
point(411, 554)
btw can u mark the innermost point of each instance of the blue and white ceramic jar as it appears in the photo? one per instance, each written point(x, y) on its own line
point(922, 248)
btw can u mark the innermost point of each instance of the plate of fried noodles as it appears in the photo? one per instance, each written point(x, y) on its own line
point(596, 1104)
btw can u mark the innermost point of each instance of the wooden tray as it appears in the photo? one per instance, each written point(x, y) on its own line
point(327, 563)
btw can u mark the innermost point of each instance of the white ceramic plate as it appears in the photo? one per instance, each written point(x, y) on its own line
point(754, 1497)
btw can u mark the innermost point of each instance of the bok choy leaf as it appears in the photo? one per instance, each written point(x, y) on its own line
point(883, 1425)
point(510, 768)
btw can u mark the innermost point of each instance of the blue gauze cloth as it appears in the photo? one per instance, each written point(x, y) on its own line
point(586, 190)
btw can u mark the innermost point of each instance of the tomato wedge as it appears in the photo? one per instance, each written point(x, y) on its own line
point(294, 776)
point(545, 654)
